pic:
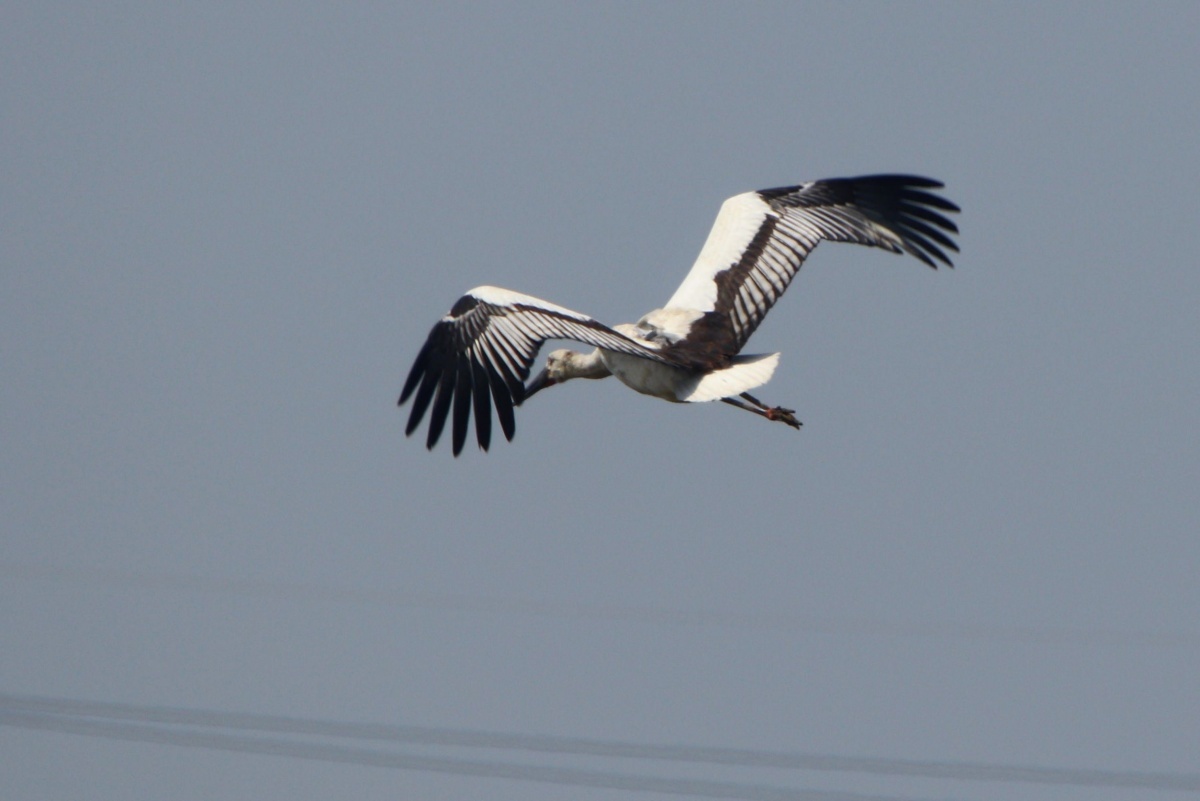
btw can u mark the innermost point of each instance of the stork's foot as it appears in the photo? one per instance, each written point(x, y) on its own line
point(782, 415)
point(752, 404)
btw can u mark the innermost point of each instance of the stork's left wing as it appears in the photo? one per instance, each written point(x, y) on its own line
point(760, 239)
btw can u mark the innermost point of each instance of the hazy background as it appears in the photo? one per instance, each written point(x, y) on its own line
point(226, 232)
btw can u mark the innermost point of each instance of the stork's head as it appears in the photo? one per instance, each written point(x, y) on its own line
point(556, 371)
point(565, 364)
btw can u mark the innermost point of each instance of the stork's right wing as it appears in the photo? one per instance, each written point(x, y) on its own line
point(481, 353)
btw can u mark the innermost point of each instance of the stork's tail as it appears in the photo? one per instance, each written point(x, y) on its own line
point(743, 374)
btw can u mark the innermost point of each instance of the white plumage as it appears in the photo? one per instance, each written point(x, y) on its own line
point(479, 355)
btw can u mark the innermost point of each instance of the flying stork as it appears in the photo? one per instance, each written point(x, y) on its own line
point(480, 353)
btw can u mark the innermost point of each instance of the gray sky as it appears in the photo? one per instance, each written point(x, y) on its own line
point(226, 232)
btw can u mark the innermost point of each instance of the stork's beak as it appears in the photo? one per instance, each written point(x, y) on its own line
point(539, 382)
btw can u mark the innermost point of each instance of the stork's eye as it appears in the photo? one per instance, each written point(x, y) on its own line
point(652, 335)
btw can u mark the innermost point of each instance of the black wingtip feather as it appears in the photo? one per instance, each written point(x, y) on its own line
point(504, 405)
point(930, 216)
point(930, 199)
point(417, 372)
point(421, 402)
point(929, 231)
point(908, 179)
point(441, 406)
point(483, 405)
point(462, 403)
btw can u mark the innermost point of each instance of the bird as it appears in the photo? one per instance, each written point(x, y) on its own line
point(479, 355)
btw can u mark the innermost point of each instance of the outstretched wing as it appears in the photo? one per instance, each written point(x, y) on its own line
point(760, 239)
point(481, 353)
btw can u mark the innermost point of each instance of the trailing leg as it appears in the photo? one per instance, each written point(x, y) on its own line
point(752, 404)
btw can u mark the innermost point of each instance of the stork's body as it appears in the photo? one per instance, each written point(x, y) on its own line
point(689, 350)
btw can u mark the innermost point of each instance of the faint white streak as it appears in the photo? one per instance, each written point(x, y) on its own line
point(96, 719)
point(329, 752)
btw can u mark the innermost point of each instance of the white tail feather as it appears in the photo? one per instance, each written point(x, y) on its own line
point(742, 375)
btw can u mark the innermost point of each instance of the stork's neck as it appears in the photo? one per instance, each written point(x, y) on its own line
point(585, 365)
